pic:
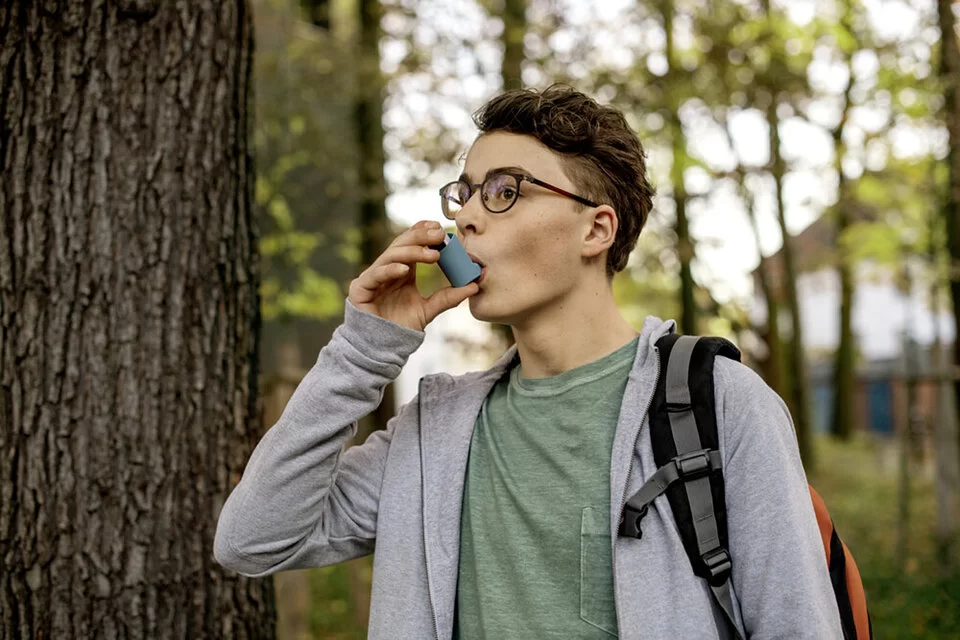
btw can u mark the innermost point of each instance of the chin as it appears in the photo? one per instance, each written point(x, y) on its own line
point(483, 311)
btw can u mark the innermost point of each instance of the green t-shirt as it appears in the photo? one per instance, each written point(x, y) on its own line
point(535, 533)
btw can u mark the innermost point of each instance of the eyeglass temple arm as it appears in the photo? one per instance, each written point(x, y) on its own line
point(562, 192)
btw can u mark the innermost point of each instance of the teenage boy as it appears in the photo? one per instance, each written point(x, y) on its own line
point(492, 501)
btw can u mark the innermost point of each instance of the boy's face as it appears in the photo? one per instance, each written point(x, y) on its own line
point(532, 253)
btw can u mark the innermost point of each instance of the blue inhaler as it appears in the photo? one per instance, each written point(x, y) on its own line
point(455, 263)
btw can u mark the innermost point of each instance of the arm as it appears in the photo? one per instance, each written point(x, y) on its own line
point(302, 501)
point(779, 569)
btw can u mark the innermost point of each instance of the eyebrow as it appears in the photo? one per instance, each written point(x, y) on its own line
point(510, 169)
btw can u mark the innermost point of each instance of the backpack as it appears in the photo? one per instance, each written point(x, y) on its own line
point(683, 432)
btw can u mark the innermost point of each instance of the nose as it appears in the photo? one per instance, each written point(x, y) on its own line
point(472, 216)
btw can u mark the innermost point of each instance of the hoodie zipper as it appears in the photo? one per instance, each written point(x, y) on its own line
point(423, 495)
point(623, 498)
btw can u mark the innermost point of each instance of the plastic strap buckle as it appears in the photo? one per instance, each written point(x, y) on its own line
point(693, 464)
point(630, 522)
point(718, 563)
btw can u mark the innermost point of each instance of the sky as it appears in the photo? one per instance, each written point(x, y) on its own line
point(727, 253)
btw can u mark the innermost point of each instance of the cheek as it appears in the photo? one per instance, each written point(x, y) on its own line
point(541, 252)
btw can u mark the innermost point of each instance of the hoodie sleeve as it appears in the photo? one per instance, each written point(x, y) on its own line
point(780, 572)
point(303, 501)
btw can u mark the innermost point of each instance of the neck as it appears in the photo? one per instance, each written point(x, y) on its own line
point(577, 330)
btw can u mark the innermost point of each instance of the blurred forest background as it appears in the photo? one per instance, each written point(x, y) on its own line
point(806, 155)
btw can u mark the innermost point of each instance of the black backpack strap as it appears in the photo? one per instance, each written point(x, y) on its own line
point(683, 431)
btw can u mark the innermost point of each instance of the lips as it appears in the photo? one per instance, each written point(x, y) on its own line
point(476, 259)
point(483, 267)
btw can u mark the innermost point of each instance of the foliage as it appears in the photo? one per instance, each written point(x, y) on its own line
point(333, 614)
point(306, 189)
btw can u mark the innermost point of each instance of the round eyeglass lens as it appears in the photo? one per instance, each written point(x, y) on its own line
point(499, 192)
point(453, 197)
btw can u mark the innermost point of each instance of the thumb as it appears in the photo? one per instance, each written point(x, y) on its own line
point(447, 298)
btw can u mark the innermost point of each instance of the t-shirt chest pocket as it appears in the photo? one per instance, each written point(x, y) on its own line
point(597, 606)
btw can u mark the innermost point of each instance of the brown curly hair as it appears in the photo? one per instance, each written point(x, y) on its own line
point(602, 156)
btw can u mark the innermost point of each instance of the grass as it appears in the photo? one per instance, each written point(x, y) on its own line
point(858, 481)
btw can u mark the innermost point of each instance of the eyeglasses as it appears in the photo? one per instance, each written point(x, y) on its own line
point(498, 193)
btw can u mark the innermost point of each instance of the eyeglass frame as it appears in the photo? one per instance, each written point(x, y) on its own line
point(520, 177)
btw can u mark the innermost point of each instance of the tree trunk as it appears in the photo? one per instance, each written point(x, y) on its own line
point(950, 76)
point(774, 365)
point(373, 203)
point(685, 246)
point(514, 29)
point(514, 18)
point(904, 497)
point(800, 387)
point(128, 318)
point(843, 369)
point(944, 427)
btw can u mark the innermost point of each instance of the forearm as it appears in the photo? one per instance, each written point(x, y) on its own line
point(289, 497)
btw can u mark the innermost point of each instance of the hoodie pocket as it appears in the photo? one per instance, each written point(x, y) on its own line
point(597, 605)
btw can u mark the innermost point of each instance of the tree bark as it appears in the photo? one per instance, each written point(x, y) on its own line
point(773, 373)
point(947, 477)
point(843, 369)
point(950, 77)
point(128, 318)
point(514, 29)
point(685, 246)
point(373, 187)
point(800, 387)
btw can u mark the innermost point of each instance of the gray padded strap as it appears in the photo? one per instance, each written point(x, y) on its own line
point(686, 437)
point(724, 599)
point(678, 370)
point(683, 425)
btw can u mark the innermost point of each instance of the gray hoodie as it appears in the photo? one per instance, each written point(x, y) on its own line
point(305, 502)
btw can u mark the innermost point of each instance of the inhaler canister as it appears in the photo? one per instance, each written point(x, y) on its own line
point(455, 263)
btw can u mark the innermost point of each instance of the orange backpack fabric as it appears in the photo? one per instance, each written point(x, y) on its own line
point(847, 586)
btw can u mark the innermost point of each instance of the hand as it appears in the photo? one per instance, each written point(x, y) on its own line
point(388, 288)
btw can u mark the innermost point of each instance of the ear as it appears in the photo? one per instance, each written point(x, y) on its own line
point(600, 230)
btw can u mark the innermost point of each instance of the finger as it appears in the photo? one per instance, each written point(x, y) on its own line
point(422, 234)
point(369, 283)
point(409, 255)
point(447, 298)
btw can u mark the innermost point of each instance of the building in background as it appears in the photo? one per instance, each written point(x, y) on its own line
point(895, 332)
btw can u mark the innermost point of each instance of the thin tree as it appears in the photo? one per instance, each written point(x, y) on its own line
point(800, 388)
point(129, 314)
point(950, 77)
point(945, 419)
point(514, 29)
point(678, 146)
point(368, 127)
point(843, 369)
point(374, 224)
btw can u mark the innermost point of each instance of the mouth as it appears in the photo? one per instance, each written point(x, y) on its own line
point(476, 259)
point(483, 267)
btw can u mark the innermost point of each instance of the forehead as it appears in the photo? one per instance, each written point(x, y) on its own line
point(498, 149)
